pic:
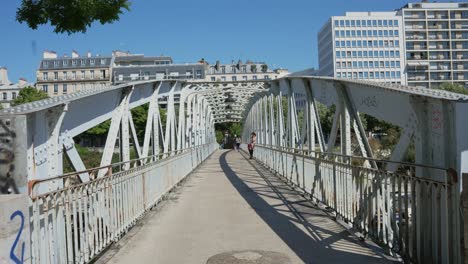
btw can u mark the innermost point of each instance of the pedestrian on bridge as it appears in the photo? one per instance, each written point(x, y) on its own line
point(253, 140)
point(238, 142)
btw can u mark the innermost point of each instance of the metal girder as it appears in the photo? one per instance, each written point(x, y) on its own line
point(50, 126)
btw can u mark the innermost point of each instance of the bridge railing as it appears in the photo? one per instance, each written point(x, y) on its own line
point(408, 215)
point(76, 223)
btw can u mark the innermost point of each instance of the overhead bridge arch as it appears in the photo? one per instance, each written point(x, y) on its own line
point(388, 200)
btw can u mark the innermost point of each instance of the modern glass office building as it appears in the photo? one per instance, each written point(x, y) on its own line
point(363, 45)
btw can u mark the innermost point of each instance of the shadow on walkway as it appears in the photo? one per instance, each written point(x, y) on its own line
point(307, 230)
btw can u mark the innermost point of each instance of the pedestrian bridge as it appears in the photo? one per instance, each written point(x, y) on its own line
point(309, 196)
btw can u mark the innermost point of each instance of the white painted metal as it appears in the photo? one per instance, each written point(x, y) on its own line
point(415, 214)
point(376, 197)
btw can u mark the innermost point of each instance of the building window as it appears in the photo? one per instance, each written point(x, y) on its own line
point(212, 70)
point(223, 69)
point(254, 77)
point(92, 74)
point(45, 64)
point(65, 63)
point(55, 88)
point(56, 63)
point(55, 75)
point(45, 76)
point(103, 61)
point(91, 62)
point(13, 95)
point(266, 77)
point(244, 78)
point(198, 74)
point(73, 62)
point(64, 88)
point(64, 75)
point(74, 75)
point(83, 74)
point(83, 62)
point(45, 88)
point(4, 96)
point(234, 78)
point(233, 69)
point(244, 69)
point(74, 87)
point(103, 74)
point(223, 78)
point(213, 79)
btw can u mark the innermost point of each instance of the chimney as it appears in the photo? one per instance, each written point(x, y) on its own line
point(4, 76)
point(22, 82)
point(89, 54)
point(49, 54)
point(75, 54)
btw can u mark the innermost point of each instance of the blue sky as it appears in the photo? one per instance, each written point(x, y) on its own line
point(281, 33)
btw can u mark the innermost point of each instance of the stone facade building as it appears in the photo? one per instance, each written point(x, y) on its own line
point(241, 72)
point(8, 90)
point(63, 75)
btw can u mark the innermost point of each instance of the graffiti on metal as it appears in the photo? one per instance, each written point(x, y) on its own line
point(7, 158)
point(13, 257)
point(370, 101)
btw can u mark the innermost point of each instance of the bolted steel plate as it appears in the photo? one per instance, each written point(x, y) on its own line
point(249, 257)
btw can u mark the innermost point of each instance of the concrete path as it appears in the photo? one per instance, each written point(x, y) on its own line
point(230, 204)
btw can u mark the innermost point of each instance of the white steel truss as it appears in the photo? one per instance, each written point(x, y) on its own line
point(374, 195)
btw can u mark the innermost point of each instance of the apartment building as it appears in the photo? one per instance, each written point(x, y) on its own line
point(63, 75)
point(242, 71)
point(128, 67)
point(363, 45)
point(436, 41)
point(8, 90)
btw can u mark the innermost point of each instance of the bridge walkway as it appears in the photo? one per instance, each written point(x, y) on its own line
point(231, 203)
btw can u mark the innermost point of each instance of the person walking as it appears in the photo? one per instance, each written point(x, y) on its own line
point(251, 145)
point(238, 142)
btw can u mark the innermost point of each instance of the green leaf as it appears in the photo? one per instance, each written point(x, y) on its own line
point(70, 16)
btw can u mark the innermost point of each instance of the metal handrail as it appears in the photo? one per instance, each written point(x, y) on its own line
point(32, 184)
point(355, 157)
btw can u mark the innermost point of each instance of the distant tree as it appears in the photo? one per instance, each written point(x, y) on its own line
point(29, 94)
point(70, 16)
point(453, 87)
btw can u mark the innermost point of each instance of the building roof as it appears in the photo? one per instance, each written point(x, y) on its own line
point(80, 62)
point(142, 58)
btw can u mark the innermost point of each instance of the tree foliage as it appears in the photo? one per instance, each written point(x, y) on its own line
point(453, 87)
point(29, 94)
point(70, 16)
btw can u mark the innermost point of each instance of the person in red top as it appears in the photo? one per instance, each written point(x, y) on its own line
point(253, 141)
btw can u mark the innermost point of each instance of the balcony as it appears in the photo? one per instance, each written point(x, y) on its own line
point(417, 78)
